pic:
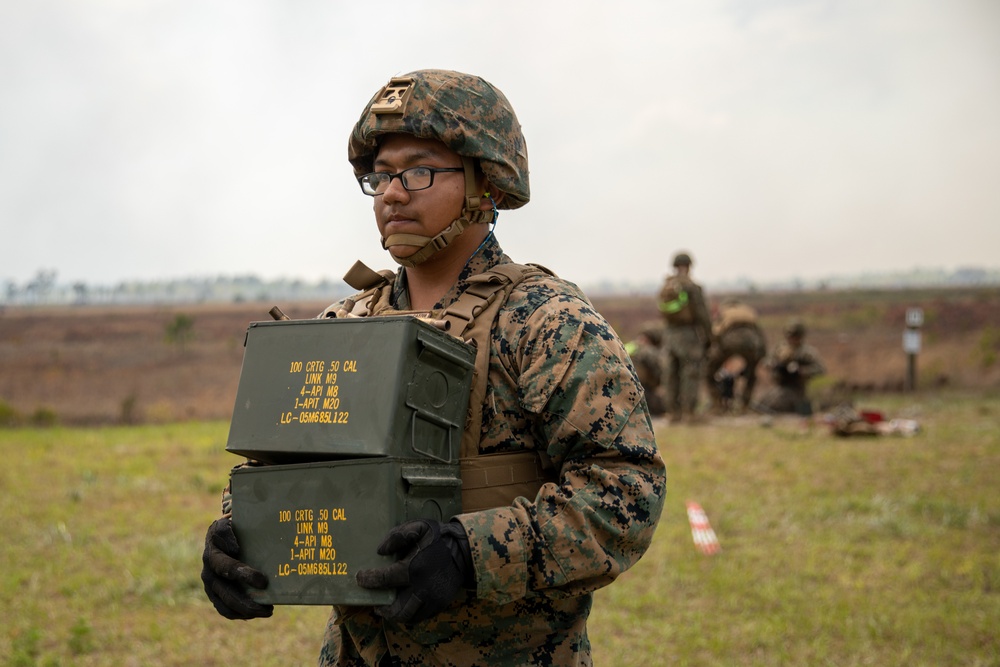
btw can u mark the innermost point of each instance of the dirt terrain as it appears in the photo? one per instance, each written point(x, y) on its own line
point(91, 365)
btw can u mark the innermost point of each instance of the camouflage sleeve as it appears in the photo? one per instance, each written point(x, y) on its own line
point(586, 410)
point(810, 365)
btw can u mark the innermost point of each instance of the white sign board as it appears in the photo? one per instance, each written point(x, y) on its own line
point(911, 341)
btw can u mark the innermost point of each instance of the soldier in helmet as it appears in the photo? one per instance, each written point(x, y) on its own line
point(736, 336)
point(506, 582)
point(792, 364)
point(687, 338)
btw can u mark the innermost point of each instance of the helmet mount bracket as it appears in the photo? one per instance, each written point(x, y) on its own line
point(392, 99)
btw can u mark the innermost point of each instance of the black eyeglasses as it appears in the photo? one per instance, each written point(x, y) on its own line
point(414, 178)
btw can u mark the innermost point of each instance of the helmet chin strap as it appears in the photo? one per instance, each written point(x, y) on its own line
point(471, 215)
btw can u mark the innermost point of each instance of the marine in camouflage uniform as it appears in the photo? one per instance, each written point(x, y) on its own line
point(736, 334)
point(687, 337)
point(792, 364)
point(559, 383)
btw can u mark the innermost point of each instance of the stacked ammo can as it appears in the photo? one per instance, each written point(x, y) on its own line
point(357, 425)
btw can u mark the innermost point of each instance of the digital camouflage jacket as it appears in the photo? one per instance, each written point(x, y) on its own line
point(560, 382)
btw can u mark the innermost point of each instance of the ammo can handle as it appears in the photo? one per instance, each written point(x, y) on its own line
point(434, 419)
point(423, 478)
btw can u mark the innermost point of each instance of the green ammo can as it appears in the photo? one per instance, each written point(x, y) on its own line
point(357, 424)
point(313, 390)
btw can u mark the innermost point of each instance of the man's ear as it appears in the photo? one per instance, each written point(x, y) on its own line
point(486, 203)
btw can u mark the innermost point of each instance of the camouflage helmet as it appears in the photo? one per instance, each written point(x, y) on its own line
point(682, 259)
point(465, 112)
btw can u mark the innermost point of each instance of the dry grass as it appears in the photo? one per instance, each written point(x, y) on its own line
point(880, 551)
point(103, 531)
point(835, 552)
point(857, 551)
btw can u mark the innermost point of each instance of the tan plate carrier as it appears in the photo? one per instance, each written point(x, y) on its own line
point(490, 480)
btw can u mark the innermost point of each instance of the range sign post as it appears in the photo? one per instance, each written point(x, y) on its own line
point(911, 344)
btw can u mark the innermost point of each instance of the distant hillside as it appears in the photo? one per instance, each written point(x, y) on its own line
point(914, 278)
point(166, 363)
point(44, 288)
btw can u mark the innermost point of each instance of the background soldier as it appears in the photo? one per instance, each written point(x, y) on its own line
point(510, 584)
point(737, 334)
point(647, 357)
point(687, 337)
point(792, 364)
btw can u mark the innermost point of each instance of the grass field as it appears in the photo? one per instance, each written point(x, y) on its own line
point(862, 551)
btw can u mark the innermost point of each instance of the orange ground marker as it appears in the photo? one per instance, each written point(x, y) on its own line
point(704, 537)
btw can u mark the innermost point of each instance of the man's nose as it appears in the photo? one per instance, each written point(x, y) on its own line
point(395, 191)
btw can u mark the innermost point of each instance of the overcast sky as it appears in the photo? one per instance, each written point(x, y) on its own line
point(771, 139)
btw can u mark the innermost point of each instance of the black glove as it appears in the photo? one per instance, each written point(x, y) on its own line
point(224, 576)
point(436, 563)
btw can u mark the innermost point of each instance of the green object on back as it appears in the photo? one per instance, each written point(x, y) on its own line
point(675, 305)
